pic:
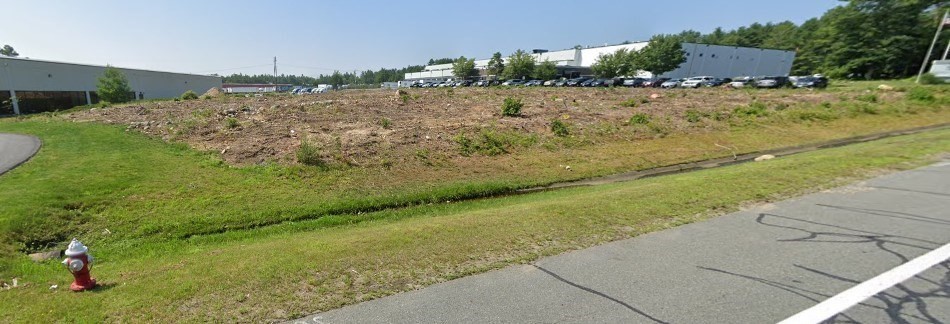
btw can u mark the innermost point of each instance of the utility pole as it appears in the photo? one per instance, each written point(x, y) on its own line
point(275, 72)
point(943, 21)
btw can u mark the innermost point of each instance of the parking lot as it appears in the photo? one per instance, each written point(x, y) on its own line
point(764, 82)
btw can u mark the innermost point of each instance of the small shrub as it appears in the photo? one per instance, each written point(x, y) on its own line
point(693, 116)
point(754, 109)
point(559, 128)
point(206, 97)
point(231, 122)
point(920, 94)
point(863, 109)
point(826, 105)
point(385, 123)
point(720, 116)
point(189, 95)
point(309, 154)
point(814, 115)
point(630, 103)
point(658, 129)
point(490, 142)
point(511, 107)
point(930, 78)
point(870, 97)
point(639, 119)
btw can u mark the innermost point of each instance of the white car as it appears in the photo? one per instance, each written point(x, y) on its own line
point(741, 82)
point(696, 82)
point(672, 83)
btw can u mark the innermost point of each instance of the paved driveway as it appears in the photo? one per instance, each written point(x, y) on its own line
point(16, 149)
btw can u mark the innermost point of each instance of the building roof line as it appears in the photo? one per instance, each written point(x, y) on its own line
point(100, 66)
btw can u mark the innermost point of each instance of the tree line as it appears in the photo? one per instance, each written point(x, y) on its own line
point(336, 78)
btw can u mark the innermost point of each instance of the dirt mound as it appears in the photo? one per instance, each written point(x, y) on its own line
point(213, 93)
point(383, 127)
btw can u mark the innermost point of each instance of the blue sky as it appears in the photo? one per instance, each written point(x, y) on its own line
point(314, 37)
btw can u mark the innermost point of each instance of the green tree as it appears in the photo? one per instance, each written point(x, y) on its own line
point(464, 68)
point(547, 70)
point(8, 50)
point(664, 53)
point(520, 65)
point(614, 64)
point(441, 61)
point(496, 65)
point(113, 86)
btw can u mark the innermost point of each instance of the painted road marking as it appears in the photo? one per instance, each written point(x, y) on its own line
point(841, 302)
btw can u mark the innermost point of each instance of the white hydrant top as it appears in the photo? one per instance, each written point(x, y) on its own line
point(76, 248)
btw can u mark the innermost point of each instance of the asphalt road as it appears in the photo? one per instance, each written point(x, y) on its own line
point(760, 265)
point(16, 149)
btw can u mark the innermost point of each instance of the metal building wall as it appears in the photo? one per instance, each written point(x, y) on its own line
point(35, 75)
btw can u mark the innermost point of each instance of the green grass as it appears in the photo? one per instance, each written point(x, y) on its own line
point(292, 269)
point(180, 235)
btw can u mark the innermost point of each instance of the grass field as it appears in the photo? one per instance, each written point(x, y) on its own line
point(179, 235)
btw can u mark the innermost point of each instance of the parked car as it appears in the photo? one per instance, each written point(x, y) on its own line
point(576, 82)
point(549, 83)
point(562, 83)
point(655, 83)
point(672, 83)
point(533, 83)
point(810, 82)
point(771, 82)
point(513, 82)
point(615, 82)
point(740, 82)
point(634, 82)
point(716, 82)
point(695, 82)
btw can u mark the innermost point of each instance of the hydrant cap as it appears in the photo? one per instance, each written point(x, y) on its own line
point(76, 248)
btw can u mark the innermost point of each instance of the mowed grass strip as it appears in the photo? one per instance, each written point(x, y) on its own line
point(293, 269)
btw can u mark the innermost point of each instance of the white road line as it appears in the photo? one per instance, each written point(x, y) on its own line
point(865, 290)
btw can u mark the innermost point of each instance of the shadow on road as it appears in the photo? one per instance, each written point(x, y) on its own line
point(595, 292)
point(901, 304)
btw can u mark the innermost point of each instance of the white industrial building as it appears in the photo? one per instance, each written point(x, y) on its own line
point(701, 60)
point(31, 86)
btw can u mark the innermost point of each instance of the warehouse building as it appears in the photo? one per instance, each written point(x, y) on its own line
point(701, 60)
point(32, 86)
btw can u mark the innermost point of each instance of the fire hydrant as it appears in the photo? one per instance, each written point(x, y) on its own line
point(79, 261)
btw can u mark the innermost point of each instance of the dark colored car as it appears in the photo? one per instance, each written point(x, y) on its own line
point(533, 83)
point(717, 82)
point(771, 82)
point(811, 82)
point(576, 82)
point(561, 83)
point(598, 83)
point(655, 83)
point(615, 82)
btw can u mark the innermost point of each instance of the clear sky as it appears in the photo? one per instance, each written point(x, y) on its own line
point(314, 37)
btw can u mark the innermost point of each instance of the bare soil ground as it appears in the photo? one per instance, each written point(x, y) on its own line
point(373, 127)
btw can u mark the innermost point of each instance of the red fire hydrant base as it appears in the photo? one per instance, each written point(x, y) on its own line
point(75, 286)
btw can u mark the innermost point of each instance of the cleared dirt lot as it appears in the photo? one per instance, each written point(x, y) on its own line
point(382, 127)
